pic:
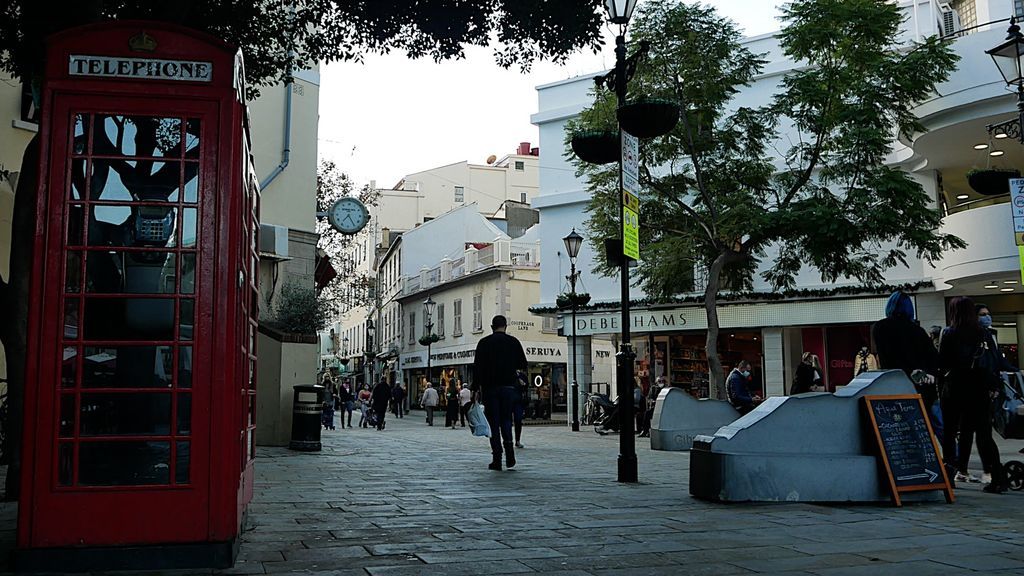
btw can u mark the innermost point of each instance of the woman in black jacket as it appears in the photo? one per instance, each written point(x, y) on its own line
point(968, 357)
point(808, 374)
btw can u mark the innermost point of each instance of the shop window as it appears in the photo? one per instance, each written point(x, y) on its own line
point(440, 321)
point(478, 314)
point(457, 317)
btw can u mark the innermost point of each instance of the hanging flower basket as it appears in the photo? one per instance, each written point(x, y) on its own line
point(566, 300)
point(991, 182)
point(648, 118)
point(343, 361)
point(428, 340)
point(596, 146)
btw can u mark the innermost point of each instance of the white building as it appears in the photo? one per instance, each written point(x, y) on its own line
point(670, 339)
point(418, 198)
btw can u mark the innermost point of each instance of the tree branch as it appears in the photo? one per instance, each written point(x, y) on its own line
point(686, 208)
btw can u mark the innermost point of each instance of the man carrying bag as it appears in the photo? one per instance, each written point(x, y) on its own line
point(498, 356)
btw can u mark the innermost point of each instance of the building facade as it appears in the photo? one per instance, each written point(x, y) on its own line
point(836, 322)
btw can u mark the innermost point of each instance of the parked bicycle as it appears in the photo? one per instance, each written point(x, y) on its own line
point(602, 412)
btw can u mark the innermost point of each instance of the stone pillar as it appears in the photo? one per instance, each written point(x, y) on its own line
point(774, 362)
point(584, 366)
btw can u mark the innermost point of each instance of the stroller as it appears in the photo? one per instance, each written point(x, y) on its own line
point(607, 418)
point(327, 415)
point(372, 418)
point(1008, 421)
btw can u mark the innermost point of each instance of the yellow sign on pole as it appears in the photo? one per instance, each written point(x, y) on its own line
point(630, 233)
point(630, 201)
point(1020, 253)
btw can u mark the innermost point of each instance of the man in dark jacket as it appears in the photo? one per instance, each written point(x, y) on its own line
point(379, 401)
point(739, 394)
point(498, 356)
point(903, 345)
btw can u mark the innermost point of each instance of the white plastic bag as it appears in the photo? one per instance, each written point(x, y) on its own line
point(477, 421)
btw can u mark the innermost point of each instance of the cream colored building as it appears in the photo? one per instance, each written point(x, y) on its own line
point(416, 199)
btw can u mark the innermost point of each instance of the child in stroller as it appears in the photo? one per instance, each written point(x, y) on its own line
point(327, 414)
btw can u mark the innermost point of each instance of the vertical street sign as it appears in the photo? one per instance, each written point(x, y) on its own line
point(631, 163)
point(1017, 210)
point(630, 225)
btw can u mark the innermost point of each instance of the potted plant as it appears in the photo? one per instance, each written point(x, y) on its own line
point(596, 146)
point(991, 181)
point(566, 299)
point(648, 117)
point(428, 340)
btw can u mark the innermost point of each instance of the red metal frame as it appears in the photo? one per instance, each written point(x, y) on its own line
point(57, 510)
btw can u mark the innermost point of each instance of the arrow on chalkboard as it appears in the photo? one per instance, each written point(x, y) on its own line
point(930, 475)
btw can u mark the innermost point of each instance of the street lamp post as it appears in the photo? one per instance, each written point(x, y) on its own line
point(428, 323)
point(619, 12)
point(572, 247)
point(1007, 57)
point(370, 353)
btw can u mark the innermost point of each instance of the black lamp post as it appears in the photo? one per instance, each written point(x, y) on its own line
point(428, 323)
point(619, 12)
point(370, 353)
point(1007, 57)
point(572, 247)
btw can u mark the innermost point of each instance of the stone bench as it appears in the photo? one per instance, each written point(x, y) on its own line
point(812, 447)
point(679, 418)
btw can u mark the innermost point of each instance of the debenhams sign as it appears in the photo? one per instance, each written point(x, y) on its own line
point(119, 67)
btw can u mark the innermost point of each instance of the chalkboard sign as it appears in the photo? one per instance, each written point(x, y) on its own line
point(907, 445)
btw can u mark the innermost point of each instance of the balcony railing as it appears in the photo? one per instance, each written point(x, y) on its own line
point(498, 253)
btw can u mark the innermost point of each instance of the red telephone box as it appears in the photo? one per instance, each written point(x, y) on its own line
point(140, 399)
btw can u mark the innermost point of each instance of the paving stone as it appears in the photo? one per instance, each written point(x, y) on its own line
point(484, 555)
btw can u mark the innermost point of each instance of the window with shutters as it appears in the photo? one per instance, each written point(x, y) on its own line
point(457, 318)
point(478, 313)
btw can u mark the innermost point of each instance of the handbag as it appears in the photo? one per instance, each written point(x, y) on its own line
point(477, 421)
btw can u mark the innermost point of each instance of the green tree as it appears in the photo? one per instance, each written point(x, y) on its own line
point(276, 38)
point(728, 188)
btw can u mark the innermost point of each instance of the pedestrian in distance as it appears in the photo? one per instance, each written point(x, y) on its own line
point(379, 399)
point(736, 385)
point(967, 353)
point(808, 374)
point(364, 405)
point(465, 400)
point(327, 411)
point(397, 398)
point(497, 358)
point(429, 402)
point(345, 404)
point(451, 413)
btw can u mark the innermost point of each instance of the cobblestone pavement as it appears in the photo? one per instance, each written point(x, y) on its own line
point(416, 500)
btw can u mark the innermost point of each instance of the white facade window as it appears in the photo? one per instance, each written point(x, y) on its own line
point(460, 194)
point(522, 197)
point(412, 328)
point(478, 312)
point(520, 166)
point(457, 317)
point(440, 321)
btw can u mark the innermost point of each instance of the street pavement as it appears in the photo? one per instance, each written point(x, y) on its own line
point(414, 500)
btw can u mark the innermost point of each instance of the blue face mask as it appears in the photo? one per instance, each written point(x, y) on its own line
point(746, 373)
point(985, 321)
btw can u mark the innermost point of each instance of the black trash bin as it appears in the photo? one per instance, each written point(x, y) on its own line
point(306, 408)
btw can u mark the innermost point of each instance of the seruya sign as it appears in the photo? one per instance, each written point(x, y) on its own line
point(147, 68)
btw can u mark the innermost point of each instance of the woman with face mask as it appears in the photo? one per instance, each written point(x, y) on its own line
point(966, 439)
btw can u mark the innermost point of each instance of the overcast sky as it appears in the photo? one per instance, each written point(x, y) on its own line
point(391, 116)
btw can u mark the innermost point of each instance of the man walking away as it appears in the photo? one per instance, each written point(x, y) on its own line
point(429, 402)
point(397, 396)
point(498, 356)
point(381, 395)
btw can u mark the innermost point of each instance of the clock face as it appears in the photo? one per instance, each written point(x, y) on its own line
point(348, 215)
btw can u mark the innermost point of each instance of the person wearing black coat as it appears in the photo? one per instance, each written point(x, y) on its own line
point(497, 358)
point(902, 344)
point(968, 356)
point(807, 375)
point(379, 402)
